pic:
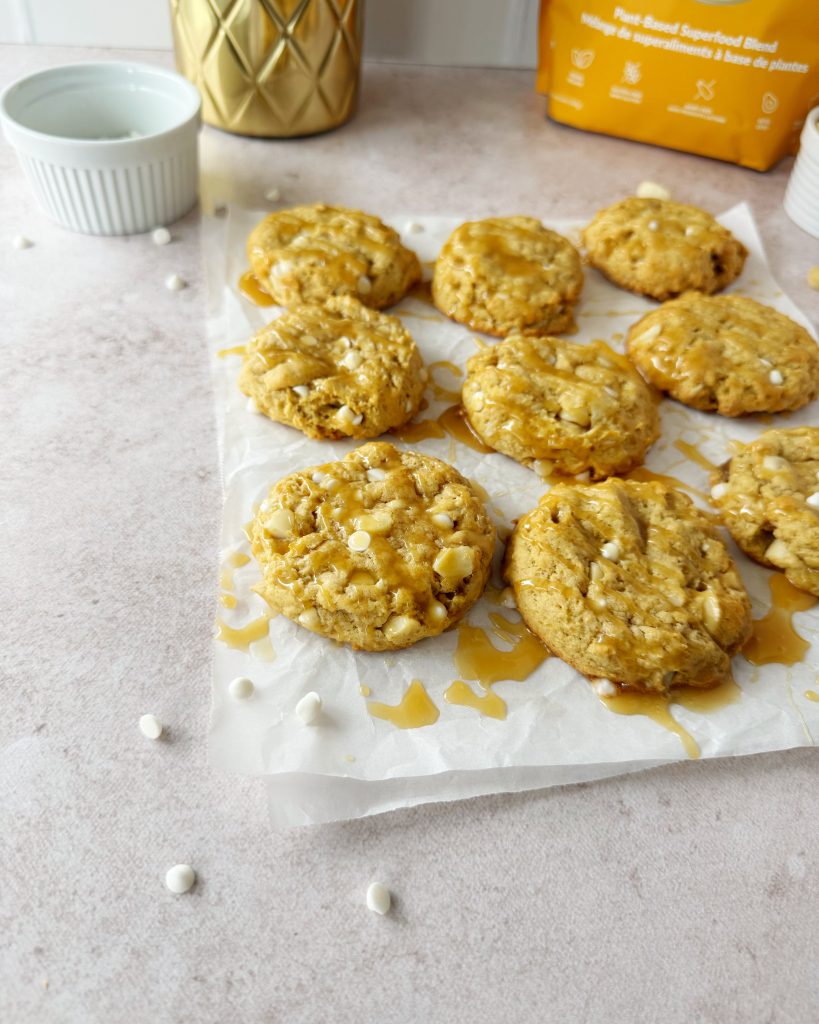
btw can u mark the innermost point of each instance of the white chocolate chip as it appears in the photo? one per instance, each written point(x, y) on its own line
point(21, 242)
point(436, 611)
point(279, 523)
point(150, 726)
point(352, 360)
point(443, 520)
point(281, 268)
point(330, 483)
point(611, 550)
point(544, 468)
point(651, 190)
point(160, 236)
point(309, 708)
point(765, 362)
point(317, 477)
point(346, 414)
point(604, 688)
point(376, 475)
point(775, 377)
point(690, 230)
point(408, 405)
point(711, 612)
point(400, 627)
point(477, 401)
point(309, 619)
point(180, 878)
point(272, 195)
point(310, 339)
point(653, 225)
point(595, 571)
point(650, 334)
point(302, 390)
point(775, 464)
point(412, 227)
point(358, 420)
point(676, 598)
point(778, 552)
point(266, 505)
point(251, 405)
point(596, 600)
point(175, 283)
point(241, 688)
point(376, 522)
point(813, 500)
point(719, 491)
point(378, 898)
point(454, 563)
point(364, 285)
point(359, 540)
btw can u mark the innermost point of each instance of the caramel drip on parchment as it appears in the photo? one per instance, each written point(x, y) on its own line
point(693, 454)
point(452, 421)
point(240, 638)
point(251, 287)
point(414, 711)
point(235, 350)
point(487, 703)
point(774, 639)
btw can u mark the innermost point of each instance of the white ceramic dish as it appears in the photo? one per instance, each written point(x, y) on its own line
point(109, 148)
point(802, 193)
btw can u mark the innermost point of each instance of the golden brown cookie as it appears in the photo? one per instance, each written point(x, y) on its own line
point(378, 550)
point(565, 408)
point(508, 275)
point(307, 254)
point(339, 371)
point(629, 582)
point(726, 353)
point(768, 497)
point(661, 248)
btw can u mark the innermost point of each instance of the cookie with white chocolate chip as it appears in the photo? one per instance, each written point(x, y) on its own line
point(307, 254)
point(660, 248)
point(378, 550)
point(629, 582)
point(559, 406)
point(726, 353)
point(507, 275)
point(768, 498)
point(341, 370)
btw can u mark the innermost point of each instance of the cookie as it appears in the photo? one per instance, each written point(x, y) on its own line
point(565, 408)
point(726, 353)
point(768, 497)
point(629, 582)
point(508, 275)
point(660, 248)
point(339, 371)
point(378, 550)
point(307, 254)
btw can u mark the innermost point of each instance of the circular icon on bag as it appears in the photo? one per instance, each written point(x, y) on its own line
point(769, 103)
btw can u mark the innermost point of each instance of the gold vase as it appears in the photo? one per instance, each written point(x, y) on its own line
point(274, 68)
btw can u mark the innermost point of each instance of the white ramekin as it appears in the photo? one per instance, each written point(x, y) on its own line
point(109, 148)
point(802, 193)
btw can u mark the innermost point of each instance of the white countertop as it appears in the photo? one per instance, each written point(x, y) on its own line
point(684, 894)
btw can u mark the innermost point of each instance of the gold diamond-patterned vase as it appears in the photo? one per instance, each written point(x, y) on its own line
point(273, 68)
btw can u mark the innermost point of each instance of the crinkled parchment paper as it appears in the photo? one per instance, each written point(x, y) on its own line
point(557, 730)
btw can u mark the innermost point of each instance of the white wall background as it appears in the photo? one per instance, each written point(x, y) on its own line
point(483, 33)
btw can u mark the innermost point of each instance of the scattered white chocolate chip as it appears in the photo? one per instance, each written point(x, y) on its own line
point(359, 540)
point(352, 360)
point(317, 477)
point(345, 413)
point(652, 190)
point(813, 499)
point(436, 611)
point(376, 475)
point(813, 277)
point(309, 708)
point(653, 225)
point(241, 688)
point(21, 242)
point(358, 420)
point(413, 227)
point(364, 285)
point(443, 520)
point(330, 483)
point(302, 390)
point(150, 726)
point(775, 464)
point(180, 878)
point(251, 405)
point(455, 563)
point(378, 898)
point(175, 283)
point(604, 688)
point(273, 195)
point(279, 523)
point(719, 491)
point(778, 552)
point(775, 377)
point(160, 236)
point(399, 627)
point(266, 505)
point(711, 612)
point(309, 618)
point(611, 550)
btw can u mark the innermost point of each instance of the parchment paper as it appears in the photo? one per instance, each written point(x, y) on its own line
point(557, 730)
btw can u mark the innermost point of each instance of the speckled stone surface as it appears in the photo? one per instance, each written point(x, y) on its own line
point(686, 894)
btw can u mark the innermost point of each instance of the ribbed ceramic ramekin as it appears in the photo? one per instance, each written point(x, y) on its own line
point(802, 193)
point(109, 148)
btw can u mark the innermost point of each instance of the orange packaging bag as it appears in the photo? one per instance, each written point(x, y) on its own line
point(732, 79)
